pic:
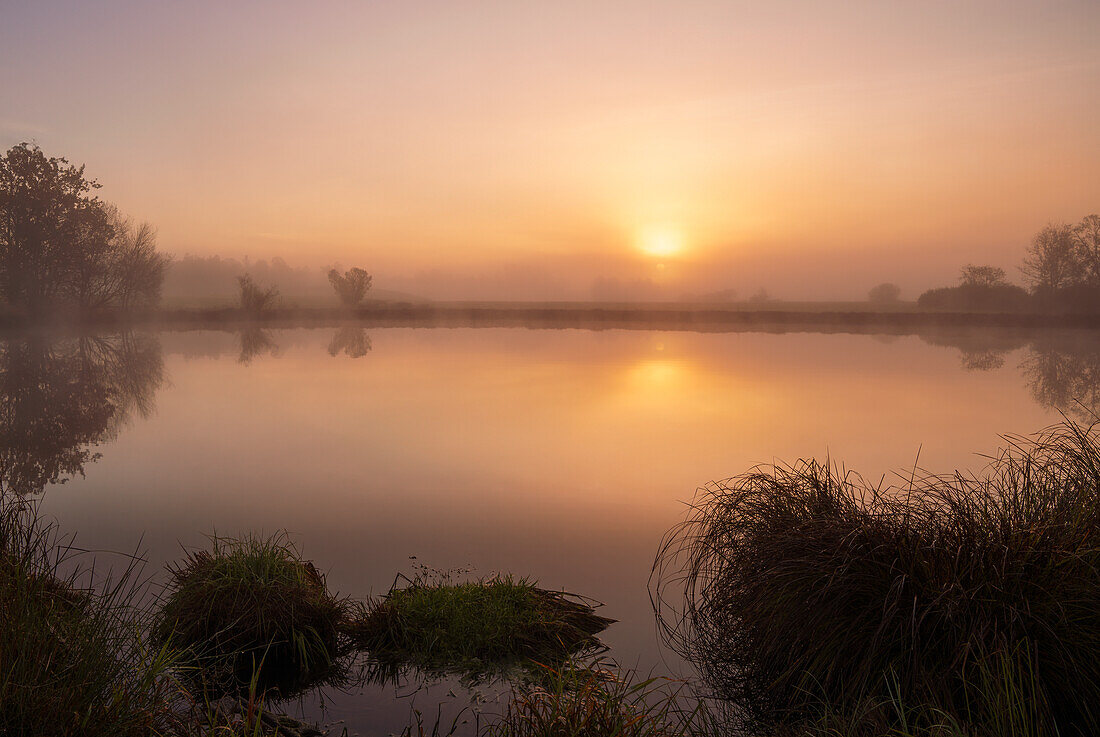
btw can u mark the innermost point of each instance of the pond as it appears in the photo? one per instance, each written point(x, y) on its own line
point(561, 455)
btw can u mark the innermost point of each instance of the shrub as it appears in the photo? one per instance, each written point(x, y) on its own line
point(253, 608)
point(255, 300)
point(73, 660)
point(350, 287)
point(476, 626)
point(885, 293)
point(977, 298)
point(808, 591)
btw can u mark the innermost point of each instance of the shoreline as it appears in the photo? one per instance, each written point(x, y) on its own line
point(566, 315)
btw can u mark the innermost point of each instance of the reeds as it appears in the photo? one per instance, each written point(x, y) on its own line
point(968, 599)
point(73, 656)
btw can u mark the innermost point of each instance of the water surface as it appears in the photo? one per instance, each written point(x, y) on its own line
point(563, 455)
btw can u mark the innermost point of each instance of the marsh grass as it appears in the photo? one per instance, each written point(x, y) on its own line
point(973, 600)
point(476, 627)
point(73, 656)
point(595, 699)
point(254, 608)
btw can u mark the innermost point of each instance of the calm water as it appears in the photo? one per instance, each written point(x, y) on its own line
point(563, 455)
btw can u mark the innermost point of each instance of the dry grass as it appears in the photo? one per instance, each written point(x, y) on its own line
point(970, 599)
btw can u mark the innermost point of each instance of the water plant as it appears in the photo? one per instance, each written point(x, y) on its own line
point(253, 607)
point(476, 626)
point(804, 591)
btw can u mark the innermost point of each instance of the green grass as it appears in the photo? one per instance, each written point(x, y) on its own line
point(973, 600)
point(253, 608)
point(73, 656)
point(476, 626)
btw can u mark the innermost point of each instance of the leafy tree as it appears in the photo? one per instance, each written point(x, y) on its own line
point(351, 287)
point(884, 293)
point(59, 245)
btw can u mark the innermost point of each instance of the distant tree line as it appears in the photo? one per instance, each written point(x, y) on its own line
point(63, 247)
point(1061, 267)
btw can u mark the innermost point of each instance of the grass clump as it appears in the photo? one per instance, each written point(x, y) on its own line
point(250, 611)
point(476, 626)
point(593, 701)
point(73, 658)
point(972, 600)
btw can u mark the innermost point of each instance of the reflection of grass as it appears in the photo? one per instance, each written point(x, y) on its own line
point(477, 626)
point(253, 605)
point(972, 600)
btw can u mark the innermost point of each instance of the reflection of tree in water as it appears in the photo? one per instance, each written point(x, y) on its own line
point(1063, 372)
point(351, 340)
point(255, 342)
point(59, 399)
point(981, 349)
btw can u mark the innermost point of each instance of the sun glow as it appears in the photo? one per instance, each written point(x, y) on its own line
point(661, 241)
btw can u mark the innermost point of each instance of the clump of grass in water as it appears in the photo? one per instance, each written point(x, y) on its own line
point(476, 627)
point(254, 608)
point(593, 700)
point(73, 658)
point(971, 600)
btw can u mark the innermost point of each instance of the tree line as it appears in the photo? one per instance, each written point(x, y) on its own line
point(63, 249)
point(1061, 269)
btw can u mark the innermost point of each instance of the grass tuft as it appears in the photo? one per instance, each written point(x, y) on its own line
point(591, 700)
point(476, 627)
point(253, 608)
point(975, 599)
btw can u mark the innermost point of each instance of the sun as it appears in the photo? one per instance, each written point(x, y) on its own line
point(660, 240)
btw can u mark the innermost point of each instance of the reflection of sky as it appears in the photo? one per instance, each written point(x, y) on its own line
point(559, 454)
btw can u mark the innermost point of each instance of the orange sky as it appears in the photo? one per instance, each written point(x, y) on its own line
point(497, 147)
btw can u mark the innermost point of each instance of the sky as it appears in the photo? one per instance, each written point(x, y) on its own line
point(568, 149)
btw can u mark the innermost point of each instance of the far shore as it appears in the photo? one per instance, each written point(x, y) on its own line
point(858, 317)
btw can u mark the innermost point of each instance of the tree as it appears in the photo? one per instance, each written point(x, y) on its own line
point(982, 276)
point(59, 245)
point(351, 287)
point(1086, 238)
point(1051, 262)
point(47, 219)
point(884, 293)
point(255, 300)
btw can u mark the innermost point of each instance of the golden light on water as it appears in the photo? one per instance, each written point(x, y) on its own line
point(661, 241)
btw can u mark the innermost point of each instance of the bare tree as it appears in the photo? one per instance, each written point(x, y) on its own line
point(351, 287)
point(1086, 236)
point(982, 276)
point(255, 300)
point(1051, 262)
